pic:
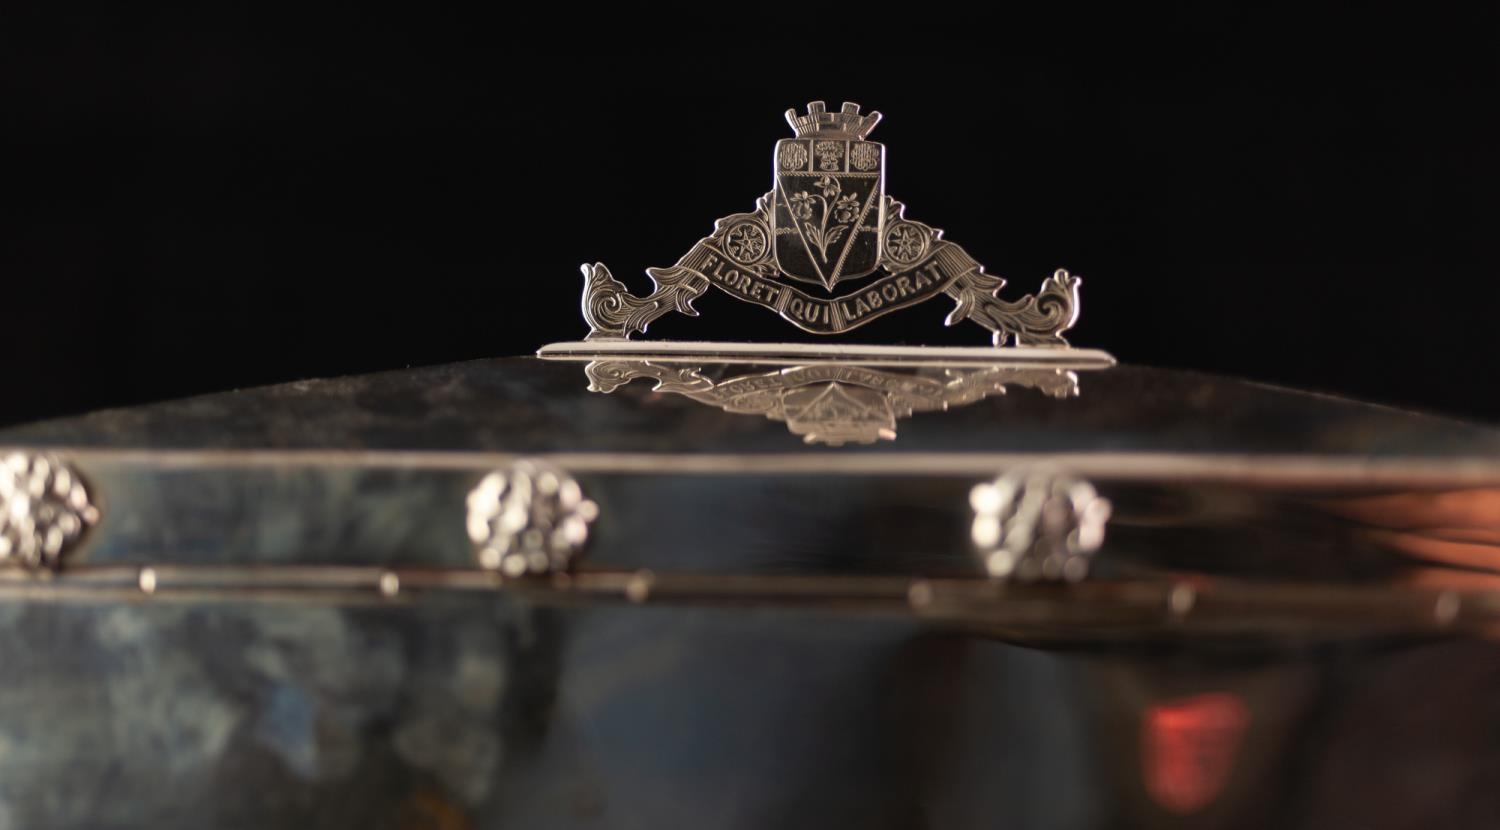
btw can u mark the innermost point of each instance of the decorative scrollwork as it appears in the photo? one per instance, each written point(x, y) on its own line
point(608, 375)
point(45, 509)
point(613, 312)
point(737, 258)
point(1034, 320)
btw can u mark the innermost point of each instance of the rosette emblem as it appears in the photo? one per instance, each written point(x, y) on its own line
point(1038, 523)
point(45, 508)
point(530, 518)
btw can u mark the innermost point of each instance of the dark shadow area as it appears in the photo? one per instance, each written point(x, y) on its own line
point(224, 198)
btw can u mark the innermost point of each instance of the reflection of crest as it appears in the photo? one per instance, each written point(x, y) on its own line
point(835, 403)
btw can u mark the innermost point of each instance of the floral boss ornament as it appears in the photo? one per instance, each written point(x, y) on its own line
point(829, 251)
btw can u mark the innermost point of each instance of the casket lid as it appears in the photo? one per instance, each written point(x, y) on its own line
point(831, 483)
point(1119, 421)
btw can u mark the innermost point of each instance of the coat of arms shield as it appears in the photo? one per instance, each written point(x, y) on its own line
point(830, 197)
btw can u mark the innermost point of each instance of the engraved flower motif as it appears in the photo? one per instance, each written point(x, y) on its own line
point(830, 154)
point(846, 208)
point(793, 156)
point(828, 204)
point(801, 205)
point(864, 156)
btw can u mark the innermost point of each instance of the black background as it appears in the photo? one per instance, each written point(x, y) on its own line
point(222, 198)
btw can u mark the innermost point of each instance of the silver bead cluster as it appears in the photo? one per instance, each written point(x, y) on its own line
point(531, 518)
point(44, 511)
point(1038, 523)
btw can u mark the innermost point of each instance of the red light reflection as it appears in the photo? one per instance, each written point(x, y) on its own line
point(1188, 747)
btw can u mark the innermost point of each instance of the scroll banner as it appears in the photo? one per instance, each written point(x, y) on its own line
point(930, 276)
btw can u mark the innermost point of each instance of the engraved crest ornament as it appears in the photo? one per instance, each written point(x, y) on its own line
point(828, 251)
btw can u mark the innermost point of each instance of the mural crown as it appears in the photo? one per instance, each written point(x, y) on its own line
point(847, 123)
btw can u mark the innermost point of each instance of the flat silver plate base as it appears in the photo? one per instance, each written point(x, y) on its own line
point(703, 351)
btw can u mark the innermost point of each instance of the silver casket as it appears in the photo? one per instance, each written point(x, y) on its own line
point(633, 583)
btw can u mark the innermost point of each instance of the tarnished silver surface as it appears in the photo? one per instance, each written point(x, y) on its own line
point(359, 486)
point(828, 221)
point(531, 517)
point(1134, 423)
point(1038, 523)
point(45, 509)
point(712, 472)
point(834, 403)
point(284, 617)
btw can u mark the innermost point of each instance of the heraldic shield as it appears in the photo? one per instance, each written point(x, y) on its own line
point(829, 213)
